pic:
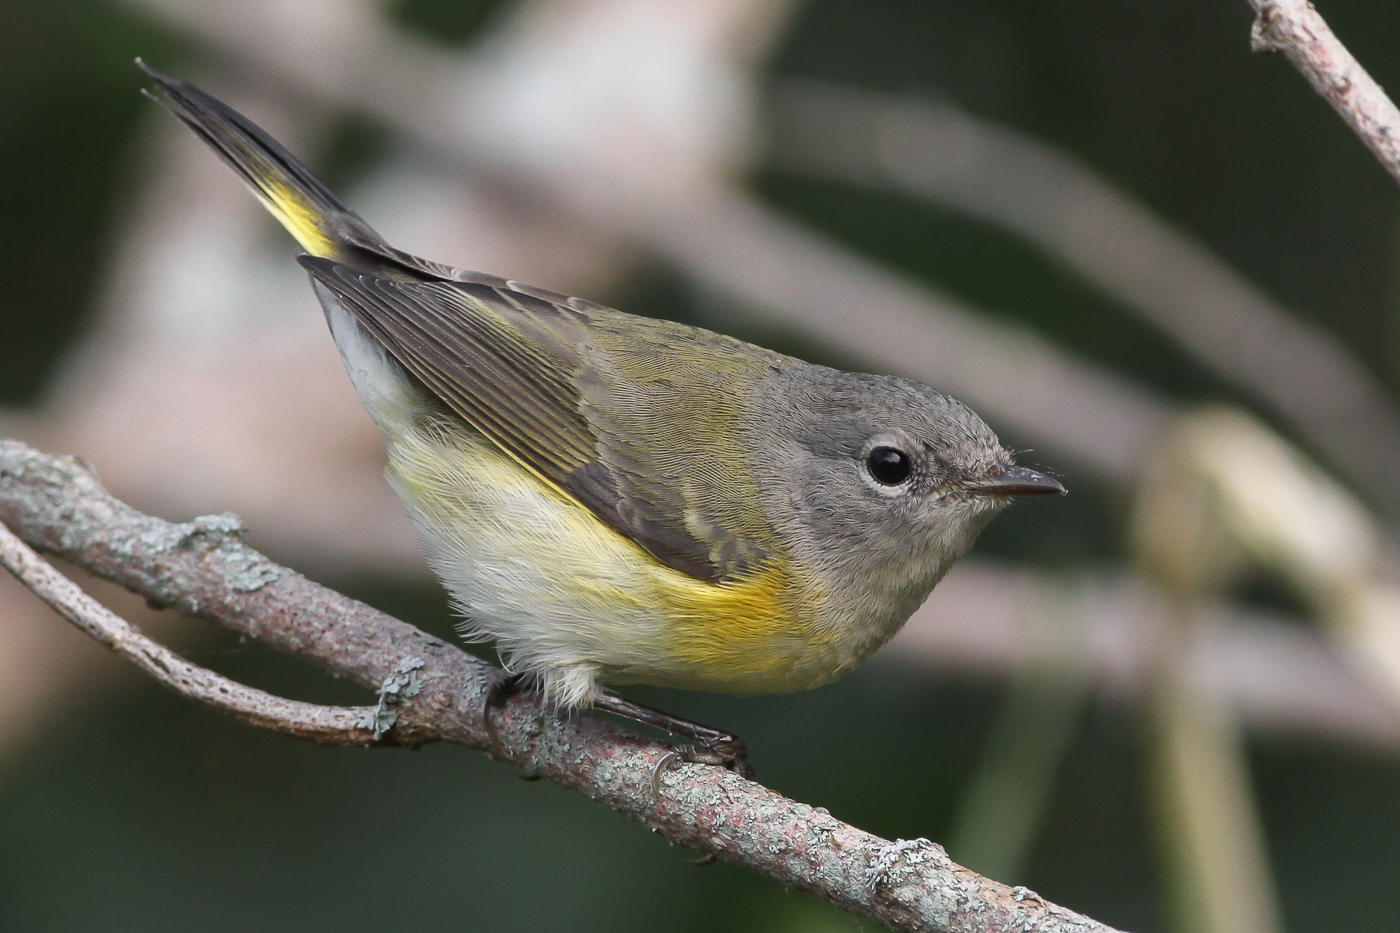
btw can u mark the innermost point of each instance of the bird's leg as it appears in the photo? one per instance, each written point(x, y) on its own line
point(712, 747)
point(497, 692)
point(502, 685)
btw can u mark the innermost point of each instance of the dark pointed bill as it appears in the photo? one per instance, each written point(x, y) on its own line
point(1011, 480)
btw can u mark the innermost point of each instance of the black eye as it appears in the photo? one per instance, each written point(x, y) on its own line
point(888, 465)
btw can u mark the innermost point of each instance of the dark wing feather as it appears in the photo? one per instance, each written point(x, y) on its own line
point(524, 367)
point(518, 364)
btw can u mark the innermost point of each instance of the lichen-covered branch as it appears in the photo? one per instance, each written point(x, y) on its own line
point(326, 725)
point(434, 690)
point(1296, 29)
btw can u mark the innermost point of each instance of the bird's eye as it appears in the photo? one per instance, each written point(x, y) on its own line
point(888, 465)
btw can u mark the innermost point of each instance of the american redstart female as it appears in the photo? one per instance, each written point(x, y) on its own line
point(616, 499)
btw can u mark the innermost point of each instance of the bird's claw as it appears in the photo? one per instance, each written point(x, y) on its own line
point(663, 764)
point(729, 753)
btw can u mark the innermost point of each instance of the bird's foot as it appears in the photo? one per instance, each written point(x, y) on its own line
point(731, 756)
point(502, 685)
point(707, 745)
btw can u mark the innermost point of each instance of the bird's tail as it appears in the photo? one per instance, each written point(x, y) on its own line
point(323, 225)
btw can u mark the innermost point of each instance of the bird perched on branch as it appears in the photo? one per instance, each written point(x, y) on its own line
point(613, 499)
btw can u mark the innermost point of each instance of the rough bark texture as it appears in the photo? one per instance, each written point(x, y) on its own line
point(325, 725)
point(1294, 28)
point(203, 568)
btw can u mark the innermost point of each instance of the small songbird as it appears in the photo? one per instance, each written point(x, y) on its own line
point(613, 499)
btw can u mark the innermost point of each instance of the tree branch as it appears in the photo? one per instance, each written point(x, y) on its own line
point(203, 568)
point(1297, 30)
point(325, 725)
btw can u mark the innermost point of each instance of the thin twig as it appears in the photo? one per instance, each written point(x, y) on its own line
point(203, 568)
point(325, 725)
point(1297, 30)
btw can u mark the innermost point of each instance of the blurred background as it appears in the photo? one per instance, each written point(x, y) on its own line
point(1155, 263)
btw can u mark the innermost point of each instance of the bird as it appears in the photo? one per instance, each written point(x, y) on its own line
point(613, 499)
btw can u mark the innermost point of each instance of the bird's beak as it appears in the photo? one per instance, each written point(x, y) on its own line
point(1011, 480)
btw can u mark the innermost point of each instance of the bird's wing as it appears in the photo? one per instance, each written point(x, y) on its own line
point(601, 404)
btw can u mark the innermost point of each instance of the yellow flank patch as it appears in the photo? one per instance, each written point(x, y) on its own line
point(300, 217)
point(555, 585)
point(741, 627)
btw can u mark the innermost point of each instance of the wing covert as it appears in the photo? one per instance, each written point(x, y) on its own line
point(588, 399)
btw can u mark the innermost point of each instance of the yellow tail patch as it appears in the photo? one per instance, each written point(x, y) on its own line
point(301, 218)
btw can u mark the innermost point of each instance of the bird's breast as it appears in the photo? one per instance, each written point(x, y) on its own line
point(559, 590)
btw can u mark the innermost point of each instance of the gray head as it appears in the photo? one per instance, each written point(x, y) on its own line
point(881, 483)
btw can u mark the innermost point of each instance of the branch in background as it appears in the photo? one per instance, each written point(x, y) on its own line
point(1216, 860)
point(723, 238)
point(467, 110)
point(1294, 28)
point(939, 152)
point(1001, 813)
point(784, 273)
point(1280, 675)
point(204, 569)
